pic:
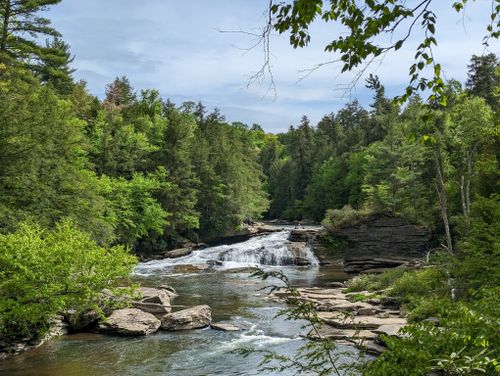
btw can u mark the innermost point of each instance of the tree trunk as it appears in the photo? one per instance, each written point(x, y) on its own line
point(441, 191)
point(5, 28)
point(468, 180)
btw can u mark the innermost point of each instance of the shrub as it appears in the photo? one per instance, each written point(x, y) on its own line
point(418, 283)
point(466, 342)
point(345, 216)
point(43, 273)
point(374, 282)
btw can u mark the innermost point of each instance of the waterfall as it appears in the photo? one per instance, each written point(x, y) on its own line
point(266, 250)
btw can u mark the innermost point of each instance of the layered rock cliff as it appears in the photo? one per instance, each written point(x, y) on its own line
point(380, 241)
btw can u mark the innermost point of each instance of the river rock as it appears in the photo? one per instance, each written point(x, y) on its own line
point(155, 301)
point(225, 327)
point(192, 318)
point(180, 252)
point(389, 330)
point(359, 322)
point(130, 322)
point(335, 284)
point(169, 290)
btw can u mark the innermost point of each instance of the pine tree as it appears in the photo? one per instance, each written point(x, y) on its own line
point(20, 29)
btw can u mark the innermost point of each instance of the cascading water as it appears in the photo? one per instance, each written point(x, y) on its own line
point(266, 250)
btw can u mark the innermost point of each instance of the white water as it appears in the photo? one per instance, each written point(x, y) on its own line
point(266, 250)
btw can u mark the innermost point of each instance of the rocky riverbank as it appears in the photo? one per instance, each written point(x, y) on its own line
point(358, 319)
point(150, 311)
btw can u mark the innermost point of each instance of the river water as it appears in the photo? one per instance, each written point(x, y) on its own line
point(214, 276)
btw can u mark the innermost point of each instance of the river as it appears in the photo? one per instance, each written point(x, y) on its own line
point(225, 286)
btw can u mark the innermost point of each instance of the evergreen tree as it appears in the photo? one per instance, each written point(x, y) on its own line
point(20, 27)
point(483, 78)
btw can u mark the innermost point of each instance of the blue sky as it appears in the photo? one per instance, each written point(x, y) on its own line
point(175, 46)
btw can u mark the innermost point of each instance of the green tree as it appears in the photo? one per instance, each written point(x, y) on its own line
point(20, 27)
point(44, 273)
point(43, 164)
point(55, 68)
point(483, 78)
point(469, 129)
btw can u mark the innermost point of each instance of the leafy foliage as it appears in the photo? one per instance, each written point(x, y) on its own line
point(44, 273)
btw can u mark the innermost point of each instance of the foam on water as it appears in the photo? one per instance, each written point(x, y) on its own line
point(266, 250)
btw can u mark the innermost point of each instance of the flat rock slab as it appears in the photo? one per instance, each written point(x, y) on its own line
point(390, 330)
point(343, 334)
point(225, 327)
point(192, 318)
point(130, 322)
point(359, 322)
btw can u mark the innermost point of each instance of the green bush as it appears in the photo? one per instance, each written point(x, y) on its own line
point(417, 283)
point(43, 273)
point(374, 282)
point(345, 216)
point(466, 342)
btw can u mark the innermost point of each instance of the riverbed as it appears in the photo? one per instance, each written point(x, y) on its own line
point(200, 278)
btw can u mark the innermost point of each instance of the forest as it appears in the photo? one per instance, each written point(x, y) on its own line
point(87, 183)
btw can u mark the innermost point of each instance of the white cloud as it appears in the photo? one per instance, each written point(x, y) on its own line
point(175, 46)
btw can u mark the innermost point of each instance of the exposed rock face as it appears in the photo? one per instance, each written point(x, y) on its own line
point(130, 322)
point(381, 241)
point(155, 301)
point(306, 235)
point(192, 318)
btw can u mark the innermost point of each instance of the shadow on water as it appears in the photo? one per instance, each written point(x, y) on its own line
point(232, 296)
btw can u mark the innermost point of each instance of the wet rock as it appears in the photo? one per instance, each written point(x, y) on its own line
point(301, 261)
point(335, 284)
point(176, 253)
point(225, 327)
point(192, 318)
point(215, 263)
point(169, 290)
point(155, 301)
point(130, 322)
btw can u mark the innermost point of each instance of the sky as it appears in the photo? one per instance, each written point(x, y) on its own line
point(178, 47)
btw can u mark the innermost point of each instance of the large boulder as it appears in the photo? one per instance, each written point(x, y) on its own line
point(130, 322)
point(155, 301)
point(192, 318)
